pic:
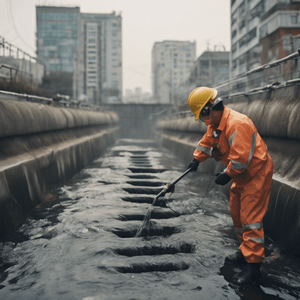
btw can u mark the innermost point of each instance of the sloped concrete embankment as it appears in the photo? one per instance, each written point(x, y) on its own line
point(42, 145)
point(276, 116)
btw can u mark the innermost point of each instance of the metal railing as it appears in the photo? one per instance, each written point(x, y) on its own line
point(282, 71)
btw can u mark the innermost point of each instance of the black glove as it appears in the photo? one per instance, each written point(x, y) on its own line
point(222, 178)
point(171, 188)
point(193, 165)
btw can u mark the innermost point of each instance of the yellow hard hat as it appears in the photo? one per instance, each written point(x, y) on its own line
point(199, 97)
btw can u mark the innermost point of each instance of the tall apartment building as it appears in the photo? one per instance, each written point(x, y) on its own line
point(86, 46)
point(171, 62)
point(261, 31)
point(102, 56)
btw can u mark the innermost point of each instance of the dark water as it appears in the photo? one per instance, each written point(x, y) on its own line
point(81, 244)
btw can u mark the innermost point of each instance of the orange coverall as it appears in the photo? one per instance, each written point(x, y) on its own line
point(251, 168)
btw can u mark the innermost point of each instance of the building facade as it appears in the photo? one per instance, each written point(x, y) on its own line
point(102, 56)
point(210, 69)
point(57, 37)
point(171, 62)
point(85, 46)
point(261, 31)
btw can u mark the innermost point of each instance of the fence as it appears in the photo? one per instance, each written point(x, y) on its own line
point(282, 71)
point(26, 66)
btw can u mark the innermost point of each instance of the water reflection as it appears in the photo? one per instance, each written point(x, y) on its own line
point(81, 244)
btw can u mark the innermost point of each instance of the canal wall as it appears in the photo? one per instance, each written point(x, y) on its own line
point(43, 143)
point(137, 120)
point(275, 112)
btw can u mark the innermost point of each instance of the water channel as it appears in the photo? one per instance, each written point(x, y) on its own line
point(80, 243)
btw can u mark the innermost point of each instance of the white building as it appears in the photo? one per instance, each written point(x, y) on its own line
point(102, 57)
point(171, 62)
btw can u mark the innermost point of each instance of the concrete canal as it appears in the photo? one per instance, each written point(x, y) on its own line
point(80, 243)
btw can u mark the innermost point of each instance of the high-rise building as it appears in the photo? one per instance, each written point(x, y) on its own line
point(171, 62)
point(102, 57)
point(261, 31)
point(58, 34)
point(57, 39)
point(85, 46)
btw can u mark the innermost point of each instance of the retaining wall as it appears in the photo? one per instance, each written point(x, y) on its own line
point(275, 113)
point(41, 145)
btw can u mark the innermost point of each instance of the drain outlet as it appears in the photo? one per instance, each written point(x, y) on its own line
point(141, 176)
point(155, 250)
point(159, 231)
point(155, 214)
point(146, 183)
point(146, 170)
point(158, 202)
point(148, 191)
point(147, 267)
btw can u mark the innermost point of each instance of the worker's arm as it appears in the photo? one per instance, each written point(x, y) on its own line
point(242, 140)
point(202, 151)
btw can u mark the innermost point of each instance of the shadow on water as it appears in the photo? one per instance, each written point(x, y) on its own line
point(81, 243)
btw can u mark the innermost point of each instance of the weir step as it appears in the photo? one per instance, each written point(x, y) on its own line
point(146, 170)
point(148, 267)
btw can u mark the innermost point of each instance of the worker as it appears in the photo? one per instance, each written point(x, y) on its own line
point(232, 138)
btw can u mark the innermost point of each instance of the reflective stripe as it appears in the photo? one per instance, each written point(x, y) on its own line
point(258, 240)
point(230, 141)
point(203, 149)
point(238, 230)
point(237, 165)
point(258, 225)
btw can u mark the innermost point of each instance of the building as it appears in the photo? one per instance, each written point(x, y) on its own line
point(102, 55)
point(210, 69)
point(261, 32)
point(57, 41)
point(171, 62)
point(137, 96)
point(86, 48)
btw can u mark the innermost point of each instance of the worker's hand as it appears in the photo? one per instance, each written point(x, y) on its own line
point(222, 178)
point(170, 188)
point(193, 165)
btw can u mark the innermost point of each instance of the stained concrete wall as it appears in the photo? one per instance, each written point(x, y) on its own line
point(137, 120)
point(276, 116)
point(41, 145)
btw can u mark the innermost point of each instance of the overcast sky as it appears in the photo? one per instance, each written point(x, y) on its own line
point(144, 22)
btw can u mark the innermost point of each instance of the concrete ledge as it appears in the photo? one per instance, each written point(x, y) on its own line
point(18, 118)
point(31, 164)
point(43, 145)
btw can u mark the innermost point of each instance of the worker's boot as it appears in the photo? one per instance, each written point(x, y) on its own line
point(235, 259)
point(249, 274)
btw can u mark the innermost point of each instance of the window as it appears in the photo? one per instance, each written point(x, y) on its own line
point(294, 19)
point(91, 40)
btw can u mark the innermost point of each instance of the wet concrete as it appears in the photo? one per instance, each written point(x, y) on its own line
point(80, 243)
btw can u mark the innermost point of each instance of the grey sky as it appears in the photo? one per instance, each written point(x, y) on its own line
point(144, 22)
